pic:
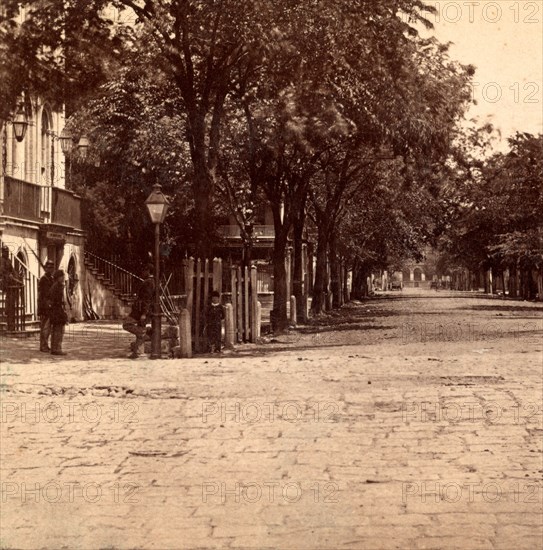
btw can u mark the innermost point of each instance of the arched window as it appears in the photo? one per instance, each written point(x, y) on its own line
point(45, 157)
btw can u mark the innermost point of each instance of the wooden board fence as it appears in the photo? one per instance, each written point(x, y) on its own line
point(203, 277)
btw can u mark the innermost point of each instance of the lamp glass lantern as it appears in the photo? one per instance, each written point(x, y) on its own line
point(66, 141)
point(83, 145)
point(157, 204)
point(20, 124)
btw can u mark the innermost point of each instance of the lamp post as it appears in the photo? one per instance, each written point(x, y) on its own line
point(157, 205)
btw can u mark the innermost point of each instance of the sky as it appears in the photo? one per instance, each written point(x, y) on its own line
point(504, 41)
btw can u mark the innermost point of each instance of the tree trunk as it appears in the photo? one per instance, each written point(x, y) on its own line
point(533, 274)
point(486, 278)
point(297, 283)
point(495, 277)
point(202, 187)
point(360, 284)
point(335, 272)
point(279, 313)
point(279, 319)
point(345, 275)
point(321, 273)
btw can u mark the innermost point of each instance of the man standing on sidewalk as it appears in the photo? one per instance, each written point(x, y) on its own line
point(140, 315)
point(44, 306)
point(57, 315)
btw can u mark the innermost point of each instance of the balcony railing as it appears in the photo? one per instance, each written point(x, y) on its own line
point(259, 231)
point(66, 208)
point(22, 199)
point(32, 202)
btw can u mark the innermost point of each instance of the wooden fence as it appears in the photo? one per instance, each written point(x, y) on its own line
point(237, 286)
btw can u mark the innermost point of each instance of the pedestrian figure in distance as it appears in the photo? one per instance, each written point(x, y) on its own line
point(57, 314)
point(44, 306)
point(214, 317)
point(8, 275)
point(140, 314)
point(11, 284)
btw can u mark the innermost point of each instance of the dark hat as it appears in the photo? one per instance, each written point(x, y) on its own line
point(215, 294)
point(58, 273)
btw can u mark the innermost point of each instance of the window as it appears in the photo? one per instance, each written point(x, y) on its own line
point(46, 143)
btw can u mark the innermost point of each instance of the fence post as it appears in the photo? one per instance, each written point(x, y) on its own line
point(229, 326)
point(185, 340)
point(198, 304)
point(217, 275)
point(293, 316)
point(254, 302)
point(246, 303)
point(234, 290)
point(288, 268)
point(239, 314)
point(258, 319)
point(188, 267)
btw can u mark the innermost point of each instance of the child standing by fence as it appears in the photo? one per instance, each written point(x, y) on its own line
point(214, 317)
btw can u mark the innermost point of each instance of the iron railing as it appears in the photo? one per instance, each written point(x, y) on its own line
point(124, 282)
point(18, 303)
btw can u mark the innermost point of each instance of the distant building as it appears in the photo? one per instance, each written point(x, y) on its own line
point(421, 274)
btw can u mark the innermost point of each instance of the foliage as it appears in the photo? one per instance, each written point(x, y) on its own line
point(497, 217)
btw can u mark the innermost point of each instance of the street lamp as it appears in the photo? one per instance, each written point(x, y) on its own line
point(83, 146)
point(157, 205)
point(20, 124)
point(66, 141)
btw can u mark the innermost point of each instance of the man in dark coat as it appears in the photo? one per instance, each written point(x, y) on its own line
point(140, 315)
point(57, 313)
point(44, 286)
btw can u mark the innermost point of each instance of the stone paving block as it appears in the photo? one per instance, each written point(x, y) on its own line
point(450, 543)
point(525, 542)
point(375, 543)
point(468, 531)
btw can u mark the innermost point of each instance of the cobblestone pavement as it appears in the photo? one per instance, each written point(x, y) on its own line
point(405, 422)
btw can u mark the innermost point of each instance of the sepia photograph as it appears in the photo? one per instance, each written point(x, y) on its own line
point(271, 275)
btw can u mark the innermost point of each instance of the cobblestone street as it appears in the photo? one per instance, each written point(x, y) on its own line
point(409, 421)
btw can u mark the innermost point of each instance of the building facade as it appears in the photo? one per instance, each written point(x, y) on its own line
point(40, 219)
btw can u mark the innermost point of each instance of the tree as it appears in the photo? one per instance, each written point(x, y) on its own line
point(499, 222)
point(200, 44)
point(133, 123)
